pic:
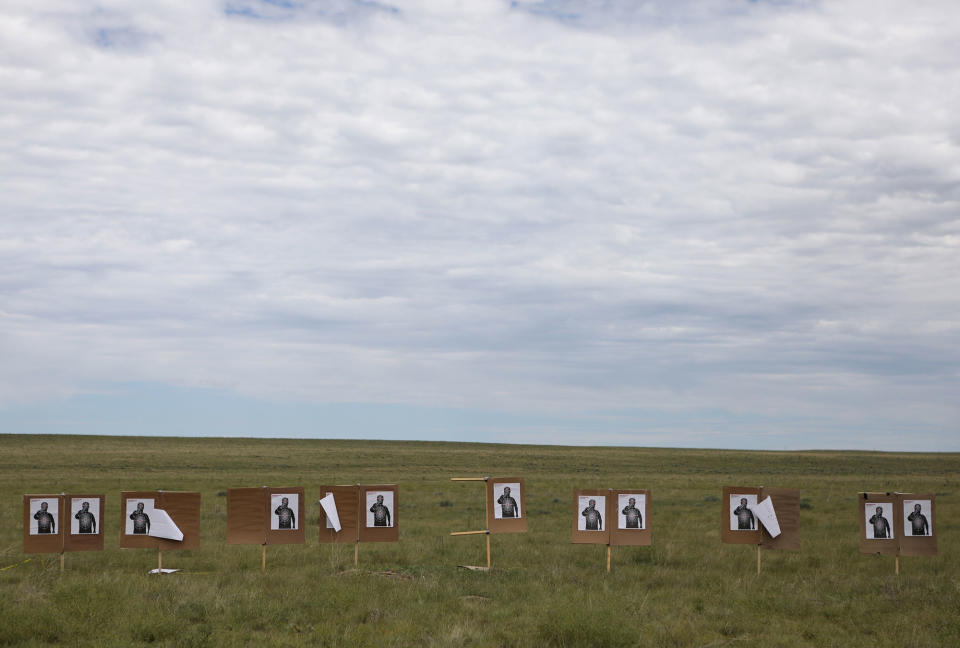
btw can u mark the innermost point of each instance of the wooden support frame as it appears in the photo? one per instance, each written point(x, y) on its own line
point(352, 509)
point(786, 503)
point(250, 515)
point(611, 534)
point(488, 492)
point(63, 539)
point(898, 541)
point(182, 507)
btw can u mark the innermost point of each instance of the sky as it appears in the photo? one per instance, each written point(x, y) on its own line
point(598, 222)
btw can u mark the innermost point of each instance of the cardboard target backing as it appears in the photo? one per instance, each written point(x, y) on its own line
point(923, 543)
point(378, 513)
point(740, 525)
point(346, 499)
point(254, 514)
point(885, 540)
point(43, 527)
point(730, 535)
point(367, 512)
point(182, 507)
point(786, 504)
point(275, 534)
point(639, 537)
point(74, 537)
point(578, 533)
point(246, 515)
point(499, 505)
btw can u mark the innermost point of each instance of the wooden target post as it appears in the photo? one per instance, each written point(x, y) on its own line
point(68, 522)
point(510, 495)
point(897, 524)
point(740, 523)
point(611, 517)
point(183, 508)
point(265, 515)
point(367, 513)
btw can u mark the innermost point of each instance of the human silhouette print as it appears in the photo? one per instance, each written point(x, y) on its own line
point(86, 520)
point(286, 518)
point(46, 521)
point(592, 518)
point(631, 517)
point(878, 521)
point(506, 501)
point(741, 513)
point(917, 523)
point(379, 506)
point(141, 520)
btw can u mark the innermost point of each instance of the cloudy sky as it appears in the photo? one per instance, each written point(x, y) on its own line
point(706, 224)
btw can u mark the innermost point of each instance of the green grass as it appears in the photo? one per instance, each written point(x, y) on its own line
point(688, 589)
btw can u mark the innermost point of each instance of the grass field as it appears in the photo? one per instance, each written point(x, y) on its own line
point(688, 589)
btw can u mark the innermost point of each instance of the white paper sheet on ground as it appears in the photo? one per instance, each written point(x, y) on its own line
point(330, 508)
point(163, 526)
point(768, 517)
point(163, 571)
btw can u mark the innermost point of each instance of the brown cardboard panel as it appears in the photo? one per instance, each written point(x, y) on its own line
point(732, 536)
point(285, 536)
point(870, 501)
point(83, 541)
point(45, 542)
point(506, 525)
point(916, 545)
point(786, 504)
point(246, 512)
point(634, 537)
point(601, 536)
point(131, 540)
point(184, 509)
point(365, 501)
point(346, 499)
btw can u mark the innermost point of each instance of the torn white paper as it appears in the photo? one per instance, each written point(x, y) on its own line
point(163, 526)
point(330, 508)
point(768, 517)
point(163, 571)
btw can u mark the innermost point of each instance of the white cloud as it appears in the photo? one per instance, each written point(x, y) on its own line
point(536, 205)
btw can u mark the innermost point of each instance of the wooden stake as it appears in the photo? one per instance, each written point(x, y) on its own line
point(608, 559)
point(486, 520)
point(61, 562)
point(356, 553)
point(758, 560)
point(896, 565)
point(159, 560)
point(263, 558)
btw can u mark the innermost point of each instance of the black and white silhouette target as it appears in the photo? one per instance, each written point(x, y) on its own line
point(917, 518)
point(44, 516)
point(879, 516)
point(283, 511)
point(631, 511)
point(742, 516)
point(506, 501)
point(84, 515)
point(137, 516)
point(591, 510)
point(379, 509)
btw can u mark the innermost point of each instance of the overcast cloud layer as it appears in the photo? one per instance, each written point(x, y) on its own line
point(690, 224)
